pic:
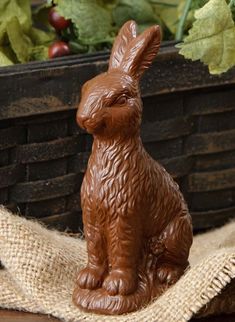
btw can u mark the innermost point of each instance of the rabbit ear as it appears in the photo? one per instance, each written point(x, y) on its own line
point(126, 34)
point(141, 52)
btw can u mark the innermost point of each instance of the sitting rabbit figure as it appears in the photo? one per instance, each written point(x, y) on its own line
point(136, 222)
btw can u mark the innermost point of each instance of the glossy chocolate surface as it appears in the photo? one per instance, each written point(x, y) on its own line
point(136, 222)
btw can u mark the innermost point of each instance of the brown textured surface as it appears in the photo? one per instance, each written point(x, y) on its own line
point(221, 303)
point(14, 316)
point(136, 222)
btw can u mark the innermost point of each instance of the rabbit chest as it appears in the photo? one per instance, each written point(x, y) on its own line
point(115, 180)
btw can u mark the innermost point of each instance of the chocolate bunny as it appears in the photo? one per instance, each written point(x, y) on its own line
point(136, 222)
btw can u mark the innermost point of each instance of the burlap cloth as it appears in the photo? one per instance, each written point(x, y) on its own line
point(41, 268)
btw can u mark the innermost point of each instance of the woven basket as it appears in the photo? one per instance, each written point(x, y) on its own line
point(188, 125)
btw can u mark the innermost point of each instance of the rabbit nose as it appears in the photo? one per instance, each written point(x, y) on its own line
point(81, 119)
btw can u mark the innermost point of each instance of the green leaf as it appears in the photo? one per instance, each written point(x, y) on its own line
point(20, 42)
point(168, 12)
point(77, 48)
point(212, 37)
point(39, 53)
point(140, 10)
point(7, 51)
point(25, 6)
point(40, 37)
point(2, 33)
point(121, 14)
point(12, 8)
point(92, 22)
point(4, 60)
point(195, 5)
point(108, 4)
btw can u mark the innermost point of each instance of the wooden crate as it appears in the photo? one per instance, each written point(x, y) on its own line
point(188, 125)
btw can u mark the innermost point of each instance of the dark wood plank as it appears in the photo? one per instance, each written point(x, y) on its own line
point(211, 102)
point(44, 118)
point(165, 149)
point(46, 189)
point(215, 161)
point(179, 166)
point(46, 170)
point(165, 130)
point(207, 143)
point(47, 131)
point(50, 78)
point(31, 104)
point(4, 157)
point(69, 221)
point(213, 218)
point(78, 163)
point(37, 152)
point(9, 175)
point(46, 208)
point(212, 200)
point(217, 122)
point(211, 181)
point(11, 136)
point(74, 202)
point(172, 73)
point(160, 107)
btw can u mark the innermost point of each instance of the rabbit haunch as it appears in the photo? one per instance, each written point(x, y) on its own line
point(136, 222)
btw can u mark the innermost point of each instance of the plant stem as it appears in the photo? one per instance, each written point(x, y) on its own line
point(180, 29)
point(231, 3)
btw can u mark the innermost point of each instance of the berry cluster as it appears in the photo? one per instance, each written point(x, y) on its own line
point(58, 48)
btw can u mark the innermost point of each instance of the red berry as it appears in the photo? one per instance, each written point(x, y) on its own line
point(58, 49)
point(57, 21)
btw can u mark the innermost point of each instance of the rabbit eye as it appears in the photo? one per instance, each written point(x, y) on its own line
point(121, 100)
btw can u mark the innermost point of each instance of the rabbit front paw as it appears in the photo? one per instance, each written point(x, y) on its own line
point(121, 282)
point(91, 278)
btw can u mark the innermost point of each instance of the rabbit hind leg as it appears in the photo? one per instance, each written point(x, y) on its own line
point(177, 240)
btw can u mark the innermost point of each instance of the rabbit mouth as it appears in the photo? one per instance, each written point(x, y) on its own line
point(94, 127)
